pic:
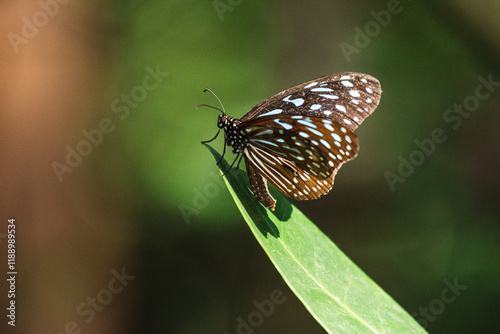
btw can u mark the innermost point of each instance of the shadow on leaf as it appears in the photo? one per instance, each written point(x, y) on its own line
point(258, 213)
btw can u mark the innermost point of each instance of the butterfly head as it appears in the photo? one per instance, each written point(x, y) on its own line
point(234, 136)
point(222, 121)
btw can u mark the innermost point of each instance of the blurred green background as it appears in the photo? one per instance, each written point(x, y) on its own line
point(148, 197)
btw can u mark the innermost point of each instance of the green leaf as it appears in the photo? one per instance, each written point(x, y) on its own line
point(339, 295)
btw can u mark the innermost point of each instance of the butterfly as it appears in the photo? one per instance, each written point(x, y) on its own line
point(299, 138)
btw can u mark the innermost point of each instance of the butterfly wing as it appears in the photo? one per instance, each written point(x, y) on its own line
point(345, 98)
point(299, 155)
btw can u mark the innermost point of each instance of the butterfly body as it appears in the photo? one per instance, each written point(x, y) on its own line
point(299, 138)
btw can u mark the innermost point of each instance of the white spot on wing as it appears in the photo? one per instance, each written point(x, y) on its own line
point(298, 157)
point(321, 89)
point(354, 93)
point(264, 132)
point(303, 134)
point(311, 84)
point(329, 96)
point(316, 106)
point(306, 123)
point(324, 142)
point(272, 112)
point(284, 125)
point(265, 142)
point(340, 107)
point(298, 102)
point(316, 132)
point(347, 83)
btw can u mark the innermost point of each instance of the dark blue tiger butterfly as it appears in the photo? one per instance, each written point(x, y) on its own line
point(299, 138)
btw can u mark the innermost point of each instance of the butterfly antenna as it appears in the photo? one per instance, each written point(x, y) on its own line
point(206, 105)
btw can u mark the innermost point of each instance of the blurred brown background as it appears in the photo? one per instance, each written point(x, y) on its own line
point(122, 223)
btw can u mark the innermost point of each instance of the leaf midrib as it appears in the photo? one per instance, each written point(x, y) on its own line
point(325, 290)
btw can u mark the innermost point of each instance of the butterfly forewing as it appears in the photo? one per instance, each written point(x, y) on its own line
point(346, 98)
point(300, 155)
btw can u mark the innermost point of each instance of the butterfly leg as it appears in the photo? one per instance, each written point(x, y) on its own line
point(258, 184)
point(222, 156)
point(239, 156)
point(238, 165)
point(208, 141)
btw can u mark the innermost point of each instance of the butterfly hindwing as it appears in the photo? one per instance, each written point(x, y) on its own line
point(300, 155)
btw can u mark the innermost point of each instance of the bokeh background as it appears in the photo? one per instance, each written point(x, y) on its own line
point(144, 200)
